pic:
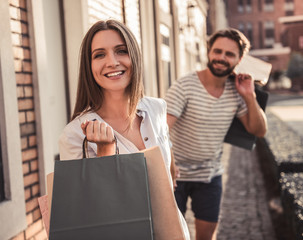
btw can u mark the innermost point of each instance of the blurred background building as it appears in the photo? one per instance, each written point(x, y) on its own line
point(275, 30)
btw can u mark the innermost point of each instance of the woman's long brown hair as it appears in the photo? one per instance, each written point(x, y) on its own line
point(89, 93)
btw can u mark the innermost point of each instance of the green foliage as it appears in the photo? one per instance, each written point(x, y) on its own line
point(295, 66)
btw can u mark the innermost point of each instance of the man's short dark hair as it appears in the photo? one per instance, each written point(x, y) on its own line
point(233, 34)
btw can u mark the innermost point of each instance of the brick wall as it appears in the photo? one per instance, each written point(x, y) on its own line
point(24, 87)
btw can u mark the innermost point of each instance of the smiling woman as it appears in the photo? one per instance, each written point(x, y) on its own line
point(111, 64)
point(90, 94)
point(110, 109)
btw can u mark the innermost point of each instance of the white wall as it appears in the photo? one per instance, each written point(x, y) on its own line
point(148, 48)
point(76, 25)
point(49, 86)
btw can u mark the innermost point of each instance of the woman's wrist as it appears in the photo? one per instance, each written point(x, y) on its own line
point(106, 149)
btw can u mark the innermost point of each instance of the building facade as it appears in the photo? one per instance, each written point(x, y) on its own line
point(261, 22)
point(39, 49)
point(216, 16)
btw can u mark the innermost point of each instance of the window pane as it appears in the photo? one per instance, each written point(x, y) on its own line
point(240, 6)
point(289, 8)
point(103, 10)
point(269, 6)
point(241, 27)
point(132, 18)
point(269, 33)
point(165, 55)
point(164, 5)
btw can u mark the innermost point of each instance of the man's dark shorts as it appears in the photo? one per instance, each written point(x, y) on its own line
point(206, 198)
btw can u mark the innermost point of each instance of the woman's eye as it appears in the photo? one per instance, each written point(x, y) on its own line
point(122, 51)
point(98, 55)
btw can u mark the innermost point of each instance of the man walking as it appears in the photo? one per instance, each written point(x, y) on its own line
point(201, 107)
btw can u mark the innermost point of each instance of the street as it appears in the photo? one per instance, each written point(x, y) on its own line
point(244, 208)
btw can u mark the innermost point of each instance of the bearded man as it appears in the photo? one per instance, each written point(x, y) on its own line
point(201, 107)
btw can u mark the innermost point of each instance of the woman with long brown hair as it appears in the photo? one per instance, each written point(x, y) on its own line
point(110, 109)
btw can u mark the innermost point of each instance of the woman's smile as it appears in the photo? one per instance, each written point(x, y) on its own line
point(111, 64)
point(114, 74)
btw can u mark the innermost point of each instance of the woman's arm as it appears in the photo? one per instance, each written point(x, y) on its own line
point(174, 170)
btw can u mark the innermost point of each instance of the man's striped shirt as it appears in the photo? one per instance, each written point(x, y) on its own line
point(203, 121)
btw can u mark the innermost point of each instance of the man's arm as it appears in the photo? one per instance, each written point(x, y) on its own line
point(255, 120)
point(171, 120)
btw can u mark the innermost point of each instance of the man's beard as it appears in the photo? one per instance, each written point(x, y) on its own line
point(219, 72)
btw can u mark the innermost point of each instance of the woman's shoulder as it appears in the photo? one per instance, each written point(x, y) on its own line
point(152, 102)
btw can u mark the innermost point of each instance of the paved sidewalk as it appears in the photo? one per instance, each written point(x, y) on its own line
point(244, 210)
point(291, 112)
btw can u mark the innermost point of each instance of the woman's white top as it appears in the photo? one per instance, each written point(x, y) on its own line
point(154, 132)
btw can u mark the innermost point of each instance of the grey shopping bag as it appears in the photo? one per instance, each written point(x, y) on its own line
point(101, 198)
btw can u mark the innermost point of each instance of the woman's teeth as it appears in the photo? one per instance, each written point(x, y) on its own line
point(114, 74)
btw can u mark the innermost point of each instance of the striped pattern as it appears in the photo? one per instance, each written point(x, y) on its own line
point(203, 121)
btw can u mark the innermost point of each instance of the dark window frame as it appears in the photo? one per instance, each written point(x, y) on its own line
point(270, 33)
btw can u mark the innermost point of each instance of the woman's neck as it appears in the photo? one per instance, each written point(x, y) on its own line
point(114, 106)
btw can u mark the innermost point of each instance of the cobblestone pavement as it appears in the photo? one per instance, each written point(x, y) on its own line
point(244, 209)
point(291, 112)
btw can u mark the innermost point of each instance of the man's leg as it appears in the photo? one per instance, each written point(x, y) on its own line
point(205, 230)
point(181, 195)
point(206, 198)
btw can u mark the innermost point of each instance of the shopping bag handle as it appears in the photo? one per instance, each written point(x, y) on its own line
point(85, 150)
